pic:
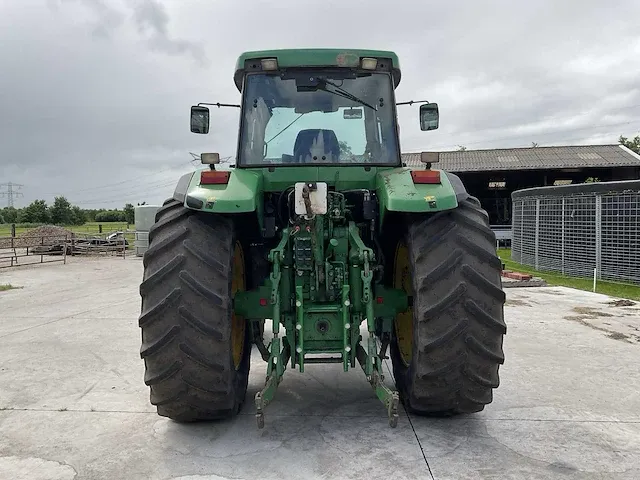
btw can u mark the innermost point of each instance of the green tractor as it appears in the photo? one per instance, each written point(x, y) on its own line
point(320, 230)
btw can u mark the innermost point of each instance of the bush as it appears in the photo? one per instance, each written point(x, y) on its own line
point(111, 216)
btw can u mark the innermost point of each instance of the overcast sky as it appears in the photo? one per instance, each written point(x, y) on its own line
point(95, 94)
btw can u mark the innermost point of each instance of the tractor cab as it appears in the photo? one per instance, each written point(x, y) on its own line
point(317, 107)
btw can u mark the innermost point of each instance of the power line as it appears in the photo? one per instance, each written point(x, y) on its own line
point(540, 135)
point(10, 193)
point(125, 184)
point(128, 197)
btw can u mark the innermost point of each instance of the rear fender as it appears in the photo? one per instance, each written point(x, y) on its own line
point(241, 194)
point(397, 193)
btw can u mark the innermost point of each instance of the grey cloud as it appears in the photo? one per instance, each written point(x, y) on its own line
point(108, 121)
point(152, 19)
point(106, 21)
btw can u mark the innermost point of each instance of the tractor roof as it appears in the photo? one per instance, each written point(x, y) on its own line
point(316, 57)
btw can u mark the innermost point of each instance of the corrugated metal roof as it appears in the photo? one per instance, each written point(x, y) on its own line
point(532, 158)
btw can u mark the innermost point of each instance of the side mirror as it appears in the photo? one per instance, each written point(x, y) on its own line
point(429, 116)
point(210, 158)
point(199, 119)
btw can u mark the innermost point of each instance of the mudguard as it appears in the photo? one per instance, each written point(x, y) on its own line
point(241, 194)
point(182, 186)
point(398, 193)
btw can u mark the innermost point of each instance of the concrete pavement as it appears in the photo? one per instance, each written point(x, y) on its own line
point(73, 404)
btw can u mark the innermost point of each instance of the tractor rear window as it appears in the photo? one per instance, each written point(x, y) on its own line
point(318, 118)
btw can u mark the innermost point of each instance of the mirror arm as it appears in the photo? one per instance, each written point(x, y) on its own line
point(220, 104)
point(411, 102)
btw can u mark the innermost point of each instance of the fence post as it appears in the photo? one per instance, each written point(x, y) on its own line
point(521, 230)
point(537, 230)
point(599, 236)
point(563, 229)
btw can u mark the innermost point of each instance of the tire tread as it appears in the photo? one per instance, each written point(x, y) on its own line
point(458, 308)
point(185, 317)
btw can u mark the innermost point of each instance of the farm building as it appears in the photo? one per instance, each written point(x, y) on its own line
point(492, 175)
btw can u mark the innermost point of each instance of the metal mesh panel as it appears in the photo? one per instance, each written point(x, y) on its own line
point(577, 232)
point(580, 236)
point(550, 234)
point(528, 233)
point(620, 250)
point(516, 231)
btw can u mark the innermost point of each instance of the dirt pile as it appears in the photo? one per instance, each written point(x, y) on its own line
point(44, 235)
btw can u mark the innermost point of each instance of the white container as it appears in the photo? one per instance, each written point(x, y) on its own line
point(145, 217)
point(141, 243)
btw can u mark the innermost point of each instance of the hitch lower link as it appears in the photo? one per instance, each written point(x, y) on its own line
point(280, 354)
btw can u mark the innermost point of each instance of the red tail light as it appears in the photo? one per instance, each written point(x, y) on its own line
point(425, 176)
point(214, 177)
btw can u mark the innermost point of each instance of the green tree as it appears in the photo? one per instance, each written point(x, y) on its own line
point(36, 212)
point(90, 215)
point(78, 216)
point(129, 214)
point(633, 144)
point(60, 211)
point(10, 214)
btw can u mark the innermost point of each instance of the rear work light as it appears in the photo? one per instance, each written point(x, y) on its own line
point(369, 63)
point(214, 177)
point(269, 63)
point(425, 176)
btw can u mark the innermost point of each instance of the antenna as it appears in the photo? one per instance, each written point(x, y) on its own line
point(10, 193)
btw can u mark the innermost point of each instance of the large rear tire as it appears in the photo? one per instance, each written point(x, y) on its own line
point(196, 351)
point(447, 348)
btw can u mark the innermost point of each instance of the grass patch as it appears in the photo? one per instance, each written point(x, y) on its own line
point(613, 289)
point(7, 286)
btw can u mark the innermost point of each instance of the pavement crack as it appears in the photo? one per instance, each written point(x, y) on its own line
point(563, 420)
point(69, 410)
point(424, 456)
point(87, 390)
point(61, 318)
point(420, 445)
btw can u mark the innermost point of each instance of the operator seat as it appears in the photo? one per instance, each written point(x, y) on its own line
point(316, 145)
